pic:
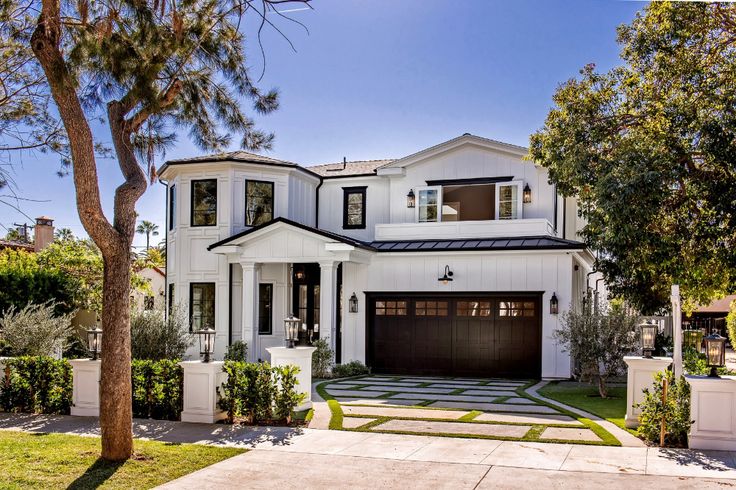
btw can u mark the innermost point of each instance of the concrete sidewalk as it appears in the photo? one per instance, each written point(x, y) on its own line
point(307, 458)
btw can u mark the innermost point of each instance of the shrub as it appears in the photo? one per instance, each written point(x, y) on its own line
point(237, 351)
point(731, 324)
point(675, 409)
point(35, 330)
point(152, 336)
point(38, 384)
point(321, 359)
point(258, 392)
point(157, 389)
point(598, 341)
point(694, 362)
point(352, 368)
point(662, 343)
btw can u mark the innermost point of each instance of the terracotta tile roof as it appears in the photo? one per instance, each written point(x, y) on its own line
point(16, 245)
point(361, 167)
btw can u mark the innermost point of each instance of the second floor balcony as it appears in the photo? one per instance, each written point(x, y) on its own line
point(465, 229)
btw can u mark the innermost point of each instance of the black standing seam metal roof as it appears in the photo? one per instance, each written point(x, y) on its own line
point(429, 245)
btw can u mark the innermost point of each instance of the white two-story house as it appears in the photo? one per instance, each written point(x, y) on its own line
point(456, 260)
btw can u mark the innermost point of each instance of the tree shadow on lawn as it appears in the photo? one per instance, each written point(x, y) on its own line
point(96, 474)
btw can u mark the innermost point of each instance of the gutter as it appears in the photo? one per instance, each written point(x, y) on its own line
point(316, 202)
point(166, 249)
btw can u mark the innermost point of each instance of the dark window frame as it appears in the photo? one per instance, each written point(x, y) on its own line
point(346, 192)
point(273, 198)
point(171, 292)
point(191, 202)
point(269, 317)
point(172, 206)
point(192, 285)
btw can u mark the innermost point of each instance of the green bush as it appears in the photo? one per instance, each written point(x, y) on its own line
point(257, 392)
point(156, 336)
point(675, 410)
point(237, 351)
point(731, 324)
point(157, 389)
point(694, 362)
point(321, 359)
point(35, 330)
point(352, 368)
point(36, 385)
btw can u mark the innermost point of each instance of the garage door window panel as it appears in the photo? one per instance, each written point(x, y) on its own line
point(431, 308)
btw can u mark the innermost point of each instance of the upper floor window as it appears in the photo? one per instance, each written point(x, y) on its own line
point(509, 201)
point(353, 207)
point(468, 202)
point(172, 206)
point(204, 202)
point(258, 202)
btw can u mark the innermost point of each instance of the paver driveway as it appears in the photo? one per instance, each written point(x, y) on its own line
point(454, 407)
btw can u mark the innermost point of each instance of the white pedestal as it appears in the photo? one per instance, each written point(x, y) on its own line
point(85, 387)
point(201, 380)
point(302, 358)
point(713, 408)
point(640, 375)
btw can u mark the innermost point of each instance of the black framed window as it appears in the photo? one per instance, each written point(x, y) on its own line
point(171, 297)
point(202, 305)
point(172, 206)
point(204, 202)
point(353, 207)
point(265, 309)
point(258, 202)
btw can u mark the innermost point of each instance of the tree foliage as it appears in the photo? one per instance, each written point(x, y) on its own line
point(648, 148)
point(35, 330)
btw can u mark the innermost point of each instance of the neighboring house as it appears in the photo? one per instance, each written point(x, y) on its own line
point(711, 317)
point(156, 297)
point(43, 236)
point(453, 254)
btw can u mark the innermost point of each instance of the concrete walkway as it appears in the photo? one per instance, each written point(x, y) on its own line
point(307, 458)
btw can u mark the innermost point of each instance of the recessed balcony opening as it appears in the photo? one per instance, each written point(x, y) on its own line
point(468, 202)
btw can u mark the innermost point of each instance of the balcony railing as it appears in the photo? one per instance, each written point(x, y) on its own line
point(465, 229)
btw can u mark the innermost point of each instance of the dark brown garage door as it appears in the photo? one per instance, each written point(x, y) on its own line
point(483, 335)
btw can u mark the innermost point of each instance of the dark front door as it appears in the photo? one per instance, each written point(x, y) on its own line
point(305, 300)
point(478, 335)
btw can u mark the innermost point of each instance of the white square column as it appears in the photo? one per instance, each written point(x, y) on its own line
point(251, 278)
point(201, 381)
point(327, 302)
point(640, 375)
point(713, 408)
point(85, 387)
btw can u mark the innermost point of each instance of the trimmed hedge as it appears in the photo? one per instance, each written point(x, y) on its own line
point(36, 385)
point(158, 388)
point(257, 392)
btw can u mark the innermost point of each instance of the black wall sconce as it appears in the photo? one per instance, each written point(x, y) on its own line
point(447, 277)
point(410, 199)
point(554, 305)
point(527, 194)
point(353, 304)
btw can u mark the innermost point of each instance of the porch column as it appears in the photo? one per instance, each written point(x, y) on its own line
point(251, 277)
point(327, 303)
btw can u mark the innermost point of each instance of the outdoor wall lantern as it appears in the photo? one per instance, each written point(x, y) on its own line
point(410, 201)
point(291, 331)
point(206, 343)
point(715, 353)
point(353, 304)
point(94, 342)
point(648, 335)
point(554, 304)
point(447, 277)
point(527, 194)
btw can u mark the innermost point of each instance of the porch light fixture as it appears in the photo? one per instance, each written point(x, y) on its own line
point(554, 305)
point(410, 200)
point(648, 335)
point(715, 353)
point(291, 331)
point(527, 194)
point(353, 304)
point(206, 343)
point(94, 342)
point(447, 277)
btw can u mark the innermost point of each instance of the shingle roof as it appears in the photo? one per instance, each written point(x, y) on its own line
point(239, 156)
point(362, 167)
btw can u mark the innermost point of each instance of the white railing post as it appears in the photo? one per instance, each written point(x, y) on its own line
point(201, 381)
point(640, 375)
point(713, 410)
point(676, 331)
point(85, 387)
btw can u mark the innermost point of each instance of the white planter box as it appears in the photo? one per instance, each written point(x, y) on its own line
point(640, 375)
point(201, 380)
point(302, 358)
point(713, 408)
point(85, 387)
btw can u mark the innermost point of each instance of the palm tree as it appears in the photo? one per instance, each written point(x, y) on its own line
point(147, 228)
point(64, 234)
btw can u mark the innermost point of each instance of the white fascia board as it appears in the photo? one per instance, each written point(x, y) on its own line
point(226, 249)
point(338, 247)
point(391, 171)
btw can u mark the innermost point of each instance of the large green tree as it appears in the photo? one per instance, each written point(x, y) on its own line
point(150, 68)
point(649, 150)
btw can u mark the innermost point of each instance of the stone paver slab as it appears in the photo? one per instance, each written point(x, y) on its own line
point(494, 407)
point(345, 393)
point(403, 412)
point(600, 459)
point(520, 401)
point(453, 398)
point(452, 450)
point(527, 419)
point(485, 393)
point(430, 427)
point(386, 446)
point(402, 389)
point(442, 380)
point(375, 401)
point(355, 422)
point(529, 455)
point(379, 382)
point(569, 434)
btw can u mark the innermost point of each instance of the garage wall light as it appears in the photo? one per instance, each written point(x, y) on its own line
point(554, 305)
point(447, 277)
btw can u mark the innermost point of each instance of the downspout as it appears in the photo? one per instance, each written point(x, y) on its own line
point(564, 218)
point(230, 304)
point(555, 212)
point(316, 198)
point(167, 300)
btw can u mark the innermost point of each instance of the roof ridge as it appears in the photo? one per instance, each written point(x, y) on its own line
point(353, 161)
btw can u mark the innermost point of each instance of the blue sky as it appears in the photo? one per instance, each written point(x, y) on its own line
point(385, 78)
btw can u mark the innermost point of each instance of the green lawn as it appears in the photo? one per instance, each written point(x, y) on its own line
point(65, 461)
point(585, 397)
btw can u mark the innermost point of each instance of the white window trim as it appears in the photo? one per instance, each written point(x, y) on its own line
point(417, 190)
point(519, 197)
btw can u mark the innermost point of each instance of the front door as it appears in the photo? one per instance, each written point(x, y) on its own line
point(305, 300)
